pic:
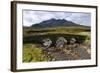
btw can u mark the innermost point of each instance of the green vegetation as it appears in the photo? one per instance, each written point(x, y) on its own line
point(32, 53)
point(57, 30)
point(32, 40)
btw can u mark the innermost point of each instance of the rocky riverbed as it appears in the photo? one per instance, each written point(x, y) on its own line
point(78, 53)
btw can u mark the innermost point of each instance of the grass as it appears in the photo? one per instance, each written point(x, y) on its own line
point(57, 30)
point(32, 53)
point(32, 38)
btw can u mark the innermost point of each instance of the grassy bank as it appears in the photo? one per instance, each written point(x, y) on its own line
point(32, 40)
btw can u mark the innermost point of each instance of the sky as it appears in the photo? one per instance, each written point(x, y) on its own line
point(33, 17)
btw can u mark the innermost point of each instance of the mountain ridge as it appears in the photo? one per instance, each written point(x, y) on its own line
point(56, 23)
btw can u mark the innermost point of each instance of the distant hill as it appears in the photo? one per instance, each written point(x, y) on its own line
point(56, 23)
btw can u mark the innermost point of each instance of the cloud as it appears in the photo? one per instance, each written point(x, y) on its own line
point(80, 18)
point(33, 17)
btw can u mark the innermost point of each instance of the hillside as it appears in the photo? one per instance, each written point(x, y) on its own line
point(35, 51)
point(56, 23)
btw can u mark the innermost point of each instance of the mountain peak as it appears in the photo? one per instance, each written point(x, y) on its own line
point(53, 19)
point(55, 23)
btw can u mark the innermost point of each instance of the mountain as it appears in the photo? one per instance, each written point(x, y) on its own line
point(56, 23)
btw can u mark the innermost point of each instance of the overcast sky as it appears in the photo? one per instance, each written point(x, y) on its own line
point(33, 17)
